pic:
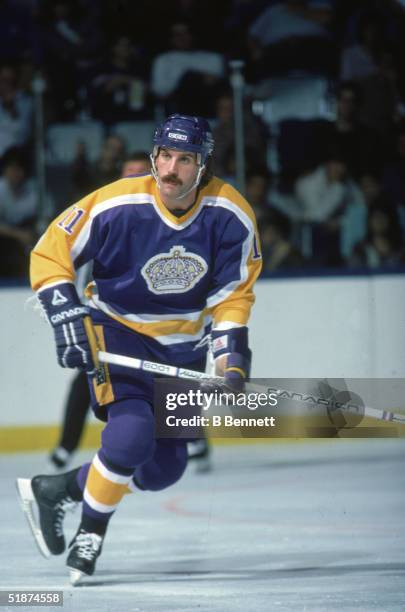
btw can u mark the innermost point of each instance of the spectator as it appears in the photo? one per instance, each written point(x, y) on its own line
point(257, 187)
point(277, 249)
point(332, 203)
point(15, 111)
point(295, 34)
point(383, 246)
point(185, 79)
point(389, 14)
point(381, 99)
point(86, 177)
point(238, 44)
point(360, 60)
point(136, 163)
point(229, 173)
point(283, 198)
point(18, 212)
point(224, 135)
point(301, 146)
point(373, 192)
point(70, 41)
point(198, 16)
point(120, 87)
point(358, 144)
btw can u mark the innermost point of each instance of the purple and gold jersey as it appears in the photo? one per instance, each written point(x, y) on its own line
point(163, 276)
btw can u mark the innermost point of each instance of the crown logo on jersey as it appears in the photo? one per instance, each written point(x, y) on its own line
point(175, 272)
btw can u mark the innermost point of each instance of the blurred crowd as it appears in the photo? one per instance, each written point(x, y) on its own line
point(324, 113)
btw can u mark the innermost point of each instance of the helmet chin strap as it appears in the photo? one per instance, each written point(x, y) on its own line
point(193, 186)
point(154, 170)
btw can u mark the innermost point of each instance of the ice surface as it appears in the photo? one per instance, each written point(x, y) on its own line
point(298, 526)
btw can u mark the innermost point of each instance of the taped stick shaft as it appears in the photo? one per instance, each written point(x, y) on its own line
point(167, 370)
point(151, 366)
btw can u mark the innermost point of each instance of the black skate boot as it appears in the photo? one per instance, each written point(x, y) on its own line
point(50, 498)
point(84, 550)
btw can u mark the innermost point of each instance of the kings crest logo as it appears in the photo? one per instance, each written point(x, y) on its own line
point(175, 272)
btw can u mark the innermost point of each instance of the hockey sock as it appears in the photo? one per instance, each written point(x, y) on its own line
point(82, 476)
point(106, 484)
point(72, 485)
point(92, 525)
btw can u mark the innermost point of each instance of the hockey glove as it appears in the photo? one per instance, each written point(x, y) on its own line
point(67, 315)
point(234, 344)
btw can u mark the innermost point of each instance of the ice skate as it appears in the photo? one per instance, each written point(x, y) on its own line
point(200, 453)
point(44, 500)
point(58, 460)
point(84, 550)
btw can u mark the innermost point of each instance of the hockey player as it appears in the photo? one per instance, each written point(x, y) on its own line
point(173, 253)
point(78, 400)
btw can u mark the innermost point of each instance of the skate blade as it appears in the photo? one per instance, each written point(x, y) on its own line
point(27, 501)
point(75, 576)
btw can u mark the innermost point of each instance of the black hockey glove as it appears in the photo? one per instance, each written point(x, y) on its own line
point(67, 315)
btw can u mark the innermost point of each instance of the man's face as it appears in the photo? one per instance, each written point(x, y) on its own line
point(371, 187)
point(135, 167)
point(177, 171)
point(336, 170)
point(14, 174)
point(115, 146)
point(180, 37)
point(256, 189)
point(225, 109)
point(347, 103)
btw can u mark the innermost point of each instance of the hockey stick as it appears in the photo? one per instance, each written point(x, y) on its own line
point(153, 367)
point(183, 373)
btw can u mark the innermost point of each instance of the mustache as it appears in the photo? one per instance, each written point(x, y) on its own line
point(172, 178)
